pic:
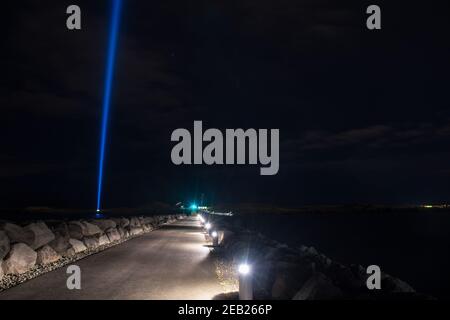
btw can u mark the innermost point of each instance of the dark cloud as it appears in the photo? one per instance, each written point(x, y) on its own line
point(363, 115)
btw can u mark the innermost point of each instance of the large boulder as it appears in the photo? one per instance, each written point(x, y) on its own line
point(149, 220)
point(318, 287)
point(147, 227)
point(41, 234)
point(17, 234)
point(80, 229)
point(113, 235)
point(61, 242)
point(124, 222)
point(4, 244)
point(104, 224)
point(76, 246)
point(134, 231)
point(134, 222)
point(60, 228)
point(76, 230)
point(343, 277)
point(121, 232)
point(103, 240)
point(46, 255)
point(21, 259)
point(91, 242)
point(290, 277)
point(395, 285)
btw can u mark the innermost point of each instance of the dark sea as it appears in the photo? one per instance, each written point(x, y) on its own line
point(413, 246)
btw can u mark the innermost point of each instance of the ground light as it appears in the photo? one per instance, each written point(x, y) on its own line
point(98, 214)
point(244, 269)
point(245, 282)
point(215, 238)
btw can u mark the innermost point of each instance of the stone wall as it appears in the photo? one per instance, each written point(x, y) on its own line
point(301, 273)
point(26, 249)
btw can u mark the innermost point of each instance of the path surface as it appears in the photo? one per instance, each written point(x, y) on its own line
point(169, 263)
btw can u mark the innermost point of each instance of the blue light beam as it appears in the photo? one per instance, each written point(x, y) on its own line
point(112, 46)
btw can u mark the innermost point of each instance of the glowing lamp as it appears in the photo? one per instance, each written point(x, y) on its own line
point(244, 269)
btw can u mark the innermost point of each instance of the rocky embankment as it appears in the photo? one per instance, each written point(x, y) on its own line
point(29, 250)
point(302, 273)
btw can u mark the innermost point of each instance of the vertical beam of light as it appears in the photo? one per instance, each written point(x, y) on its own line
point(115, 20)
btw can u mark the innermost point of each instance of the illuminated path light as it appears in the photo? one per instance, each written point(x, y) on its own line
point(115, 20)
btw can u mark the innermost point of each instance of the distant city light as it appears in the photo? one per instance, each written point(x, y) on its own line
point(214, 234)
point(244, 269)
point(437, 206)
point(193, 206)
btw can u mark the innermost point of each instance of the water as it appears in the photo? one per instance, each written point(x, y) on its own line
point(413, 246)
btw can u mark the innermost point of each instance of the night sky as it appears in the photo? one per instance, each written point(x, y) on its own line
point(364, 116)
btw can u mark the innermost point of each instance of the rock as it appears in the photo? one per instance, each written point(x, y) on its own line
point(91, 242)
point(104, 224)
point(134, 231)
point(121, 232)
point(4, 245)
point(77, 246)
point(76, 230)
point(113, 235)
point(21, 258)
point(41, 234)
point(290, 277)
point(282, 246)
point(263, 278)
point(46, 255)
point(395, 285)
point(312, 251)
point(147, 227)
point(91, 229)
point(103, 240)
point(80, 229)
point(17, 234)
point(273, 254)
point(60, 244)
point(343, 277)
point(60, 228)
point(124, 222)
point(134, 222)
point(318, 287)
point(225, 236)
point(149, 220)
point(1, 270)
